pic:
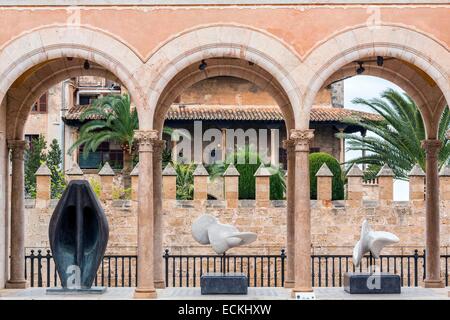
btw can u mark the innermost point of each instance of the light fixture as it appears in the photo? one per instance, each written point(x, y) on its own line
point(380, 61)
point(202, 66)
point(360, 69)
point(86, 65)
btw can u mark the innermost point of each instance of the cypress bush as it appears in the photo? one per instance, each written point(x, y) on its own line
point(316, 160)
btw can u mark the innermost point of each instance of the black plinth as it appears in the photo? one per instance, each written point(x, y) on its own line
point(366, 283)
point(224, 283)
point(81, 291)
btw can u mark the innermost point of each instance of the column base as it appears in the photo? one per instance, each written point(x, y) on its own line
point(433, 284)
point(16, 284)
point(289, 284)
point(300, 290)
point(145, 293)
point(159, 284)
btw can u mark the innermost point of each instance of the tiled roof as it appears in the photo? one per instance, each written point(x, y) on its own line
point(242, 113)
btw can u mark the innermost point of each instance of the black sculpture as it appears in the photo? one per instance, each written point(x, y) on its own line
point(78, 236)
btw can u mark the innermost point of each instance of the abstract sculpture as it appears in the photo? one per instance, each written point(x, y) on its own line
point(78, 236)
point(371, 281)
point(373, 241)
point(207, 230)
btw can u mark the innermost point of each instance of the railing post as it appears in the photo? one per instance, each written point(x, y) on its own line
point(166, 262)
point(424, 265)
point(283, 257)
point(416, 271)
point(39, 258)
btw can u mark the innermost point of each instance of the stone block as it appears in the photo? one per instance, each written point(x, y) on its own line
point(371, 283)
point(224, 283)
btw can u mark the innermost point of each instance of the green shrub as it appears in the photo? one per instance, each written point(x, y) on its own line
point(185, 180)
point(316, 160)
point(247, 180)
point(34, 157)
point(96, 186)
point(54, 161)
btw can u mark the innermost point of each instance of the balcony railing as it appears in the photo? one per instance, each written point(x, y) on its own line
point(261, 270)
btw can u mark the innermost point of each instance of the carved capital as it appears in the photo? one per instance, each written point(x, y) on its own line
point(302, 139)
point(288, 145)
point(17, 148)
point(145, 139)
point(431, 147)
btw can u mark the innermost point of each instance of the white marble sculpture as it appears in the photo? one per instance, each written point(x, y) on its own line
point(207, 230)
point(373, 241)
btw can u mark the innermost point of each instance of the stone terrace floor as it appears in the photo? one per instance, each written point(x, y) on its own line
point(253, 294)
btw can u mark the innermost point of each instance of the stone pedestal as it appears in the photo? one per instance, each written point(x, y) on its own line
point(224, 283)
point(371, 283)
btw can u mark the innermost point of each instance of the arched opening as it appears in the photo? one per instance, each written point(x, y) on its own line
point(58, 53)
point(417, 64)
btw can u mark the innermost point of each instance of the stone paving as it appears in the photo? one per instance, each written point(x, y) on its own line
point(253, 294)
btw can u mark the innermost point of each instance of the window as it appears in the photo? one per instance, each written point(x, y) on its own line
point(87, 99)
point(40, 106)
point(30, 138)
point(314, 150)
point(105, 152)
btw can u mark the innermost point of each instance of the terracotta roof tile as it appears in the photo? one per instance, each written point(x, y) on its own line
point(242, 113)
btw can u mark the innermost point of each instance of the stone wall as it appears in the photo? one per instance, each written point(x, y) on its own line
point(335, 227)
point(335, 224)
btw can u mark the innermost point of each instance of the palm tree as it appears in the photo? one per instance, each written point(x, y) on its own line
point(397, 138)
point(114, 121)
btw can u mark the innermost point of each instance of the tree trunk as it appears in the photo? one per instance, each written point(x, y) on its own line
point(127, 168)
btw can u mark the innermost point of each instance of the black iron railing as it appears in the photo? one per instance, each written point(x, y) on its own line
point(114, 271)
point(262, 270)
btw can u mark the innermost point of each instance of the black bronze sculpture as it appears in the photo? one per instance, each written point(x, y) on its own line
point(78, 237)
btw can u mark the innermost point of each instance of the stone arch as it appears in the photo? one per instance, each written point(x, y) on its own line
point(20, 100)
point(425, 55)
point(21, 57)
point(223, 41)
point(223, 67)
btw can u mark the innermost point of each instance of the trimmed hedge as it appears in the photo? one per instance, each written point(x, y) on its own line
point(316, 160)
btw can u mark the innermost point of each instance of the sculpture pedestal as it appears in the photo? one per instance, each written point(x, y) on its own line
point(224, 283)
point(66, 291)
point(367, 283)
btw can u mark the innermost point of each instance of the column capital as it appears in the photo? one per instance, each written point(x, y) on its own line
point(17, 148)
point(431, 147)
point(145, 139)
point(288, 145)
point(302, 139)
point(17, 144)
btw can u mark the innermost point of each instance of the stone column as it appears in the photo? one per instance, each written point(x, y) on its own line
point(158, 146)
point(324, 184)
point(302, 139)
point(169, 176)
point(145, 287)
point(341, 146)
point(231, 184)
point(386, 184)
point(43, 183)
point(289, 281)
point(17, 233)
point(355, 187)
point(200, 183)
point(432, 232)
point(416, 185)
point(444, 183)
point(106, 180)
point(75, 173)
point(134, 182)
point(262, 186)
